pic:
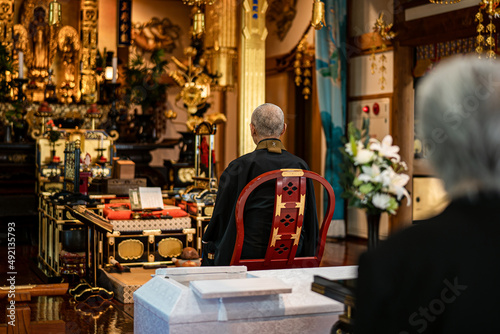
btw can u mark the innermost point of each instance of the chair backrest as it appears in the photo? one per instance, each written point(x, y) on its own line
point(289, 207)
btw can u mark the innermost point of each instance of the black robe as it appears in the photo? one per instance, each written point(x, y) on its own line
point(437, 276)
point(220, 235)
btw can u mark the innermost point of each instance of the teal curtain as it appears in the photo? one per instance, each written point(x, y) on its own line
point(331, 74)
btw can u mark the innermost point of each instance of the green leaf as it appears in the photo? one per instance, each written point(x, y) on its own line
point(354, 147)
point(366, 188)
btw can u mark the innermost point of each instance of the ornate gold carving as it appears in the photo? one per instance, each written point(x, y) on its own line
point(303, 66)
point(195, 83)
point(170, 247)
point(279, 205)
point(301, 205)
point(6, 23)
point(154, 34)
point(281, 13)
point(291, 172)
point(43, 44)
point(252, 68)
point(130, 249)
point(21, 41)
point(386, 34)
point(88, 29)
point(68, 43)
point(296, 236)
point(276, 236)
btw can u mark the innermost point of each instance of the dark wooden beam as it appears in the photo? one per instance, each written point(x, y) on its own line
point(437, 28)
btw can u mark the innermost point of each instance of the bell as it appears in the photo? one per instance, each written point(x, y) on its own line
point(54, 13)
point(318, 15)
point(198, 23)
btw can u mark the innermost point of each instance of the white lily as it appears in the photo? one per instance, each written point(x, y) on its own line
point(397, 187)
point(370, 174)
point(381, 201)
point(386, 177)
point(364, 156)
point(385, 148)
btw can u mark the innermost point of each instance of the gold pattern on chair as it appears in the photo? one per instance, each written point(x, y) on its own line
point(170, 247)
point(279, 205)
point(276, 236)
point(296, 236)
point(292, 172)
point(131, 249)
point(301, 205)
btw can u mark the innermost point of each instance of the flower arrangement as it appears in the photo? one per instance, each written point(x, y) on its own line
point(372, 177)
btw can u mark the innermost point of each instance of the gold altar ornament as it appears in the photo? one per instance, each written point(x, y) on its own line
point(441, 2)
point(130, 249)
point(198, 23)
point(195, 85)
point(303, 66)
point(170, 247)
point(386, 34)
point(221, 42)
point(318, 15)
point(54, 13)
point(198, 3)
point(486, 41)
point(198, 15)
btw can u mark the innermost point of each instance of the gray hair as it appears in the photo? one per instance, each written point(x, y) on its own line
point(268, 120)
point(458, 104)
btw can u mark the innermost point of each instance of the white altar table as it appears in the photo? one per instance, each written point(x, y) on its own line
point(180, 300)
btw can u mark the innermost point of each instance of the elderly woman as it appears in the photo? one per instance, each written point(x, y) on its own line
point(439, 276)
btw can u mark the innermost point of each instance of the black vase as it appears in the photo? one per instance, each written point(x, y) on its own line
point(373, 221)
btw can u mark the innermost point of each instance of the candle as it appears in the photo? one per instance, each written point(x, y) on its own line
point(21, 64)
point(115, 68)
point(102, 141)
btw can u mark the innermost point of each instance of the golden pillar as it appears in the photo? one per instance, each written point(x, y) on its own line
point(88, 47)
point(252, 69)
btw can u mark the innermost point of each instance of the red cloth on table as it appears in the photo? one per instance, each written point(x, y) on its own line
point(111, 214)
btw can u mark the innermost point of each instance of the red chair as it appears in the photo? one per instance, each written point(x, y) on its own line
point(289, 205)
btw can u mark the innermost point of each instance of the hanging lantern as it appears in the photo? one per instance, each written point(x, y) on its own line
point(54, 13)
point(318, 15)
point(198, 22)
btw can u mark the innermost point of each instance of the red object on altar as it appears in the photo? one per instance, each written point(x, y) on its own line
point(84, 182)
point(93, 109)
point(44, 107)
point(56, 159)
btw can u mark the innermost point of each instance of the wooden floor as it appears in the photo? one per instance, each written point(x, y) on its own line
point(67, 316)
